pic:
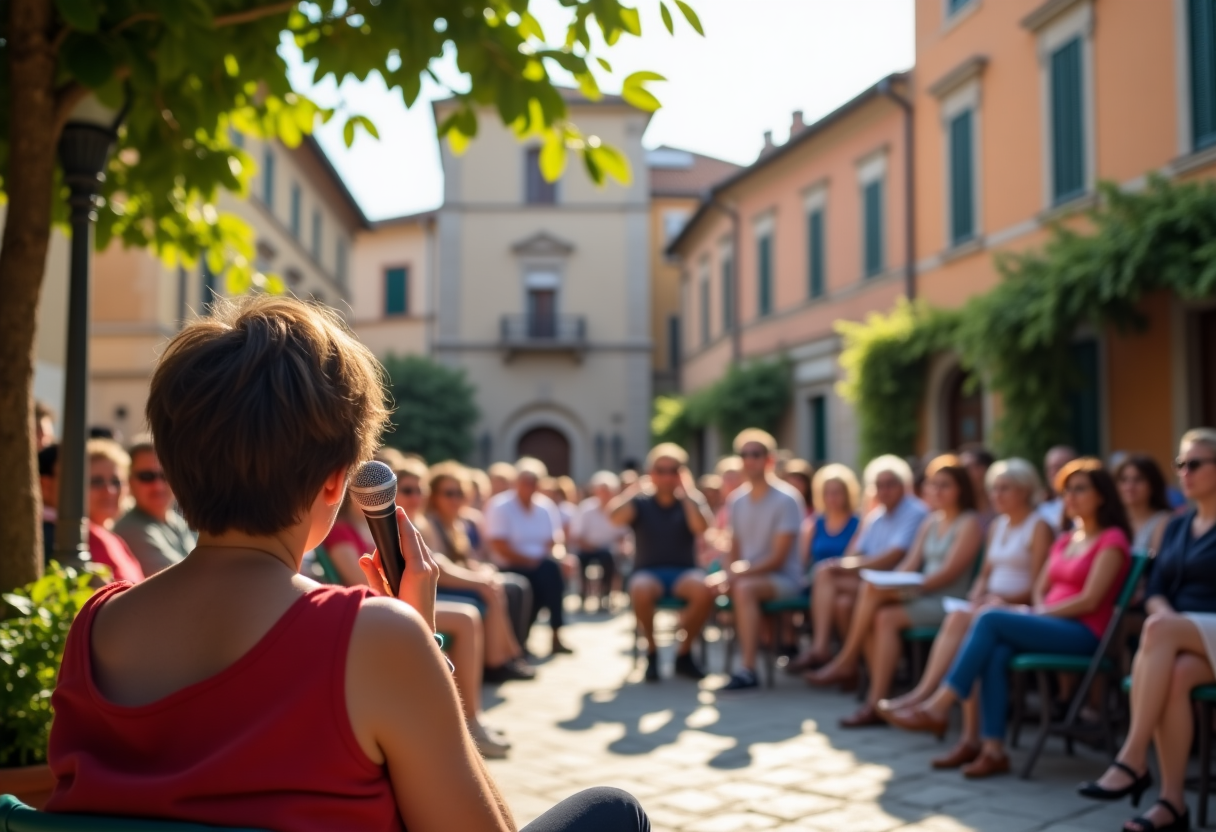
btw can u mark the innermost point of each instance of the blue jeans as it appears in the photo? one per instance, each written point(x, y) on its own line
point(995, 638)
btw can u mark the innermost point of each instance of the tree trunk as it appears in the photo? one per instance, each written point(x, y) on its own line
point(28, 182)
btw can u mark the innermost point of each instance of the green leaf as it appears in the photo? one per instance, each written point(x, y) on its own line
point(691, 17)
point(612, 162)
point(631, 21)
point(81, 15)
point(667, 21)
point(88, 60)
point(588, 86)
point(633, 90)
point(348, 130)
point(607, 66)
point(553, 156)
point(529, 27)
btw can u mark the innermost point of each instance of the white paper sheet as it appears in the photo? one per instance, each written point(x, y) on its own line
point(892, 580)
point(955, 605)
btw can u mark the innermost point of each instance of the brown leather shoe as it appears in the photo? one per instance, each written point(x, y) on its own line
point(956, 757)
point(829, 676)
point(918, 719)
point(986, 765)
point(886, 707)
point(865, 717)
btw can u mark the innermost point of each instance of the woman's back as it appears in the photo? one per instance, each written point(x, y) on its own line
point(264, 742)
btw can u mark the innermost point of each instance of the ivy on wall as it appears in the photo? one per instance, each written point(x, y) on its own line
point(1017, 336)
point(752, 395)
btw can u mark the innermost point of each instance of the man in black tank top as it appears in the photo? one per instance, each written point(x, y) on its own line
point(666, 513)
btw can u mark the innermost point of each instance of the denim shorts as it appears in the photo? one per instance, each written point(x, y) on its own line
point(668, 576)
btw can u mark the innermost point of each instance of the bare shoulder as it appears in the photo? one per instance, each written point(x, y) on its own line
point(386, 622)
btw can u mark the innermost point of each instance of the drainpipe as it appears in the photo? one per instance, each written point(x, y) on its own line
point(885, 88)
point(736, 337)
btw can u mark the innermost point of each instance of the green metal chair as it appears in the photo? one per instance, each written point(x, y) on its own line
point(1100, 663)
point(327, 566)
point(1205, 697)
point(15, 816)
point(773, 611)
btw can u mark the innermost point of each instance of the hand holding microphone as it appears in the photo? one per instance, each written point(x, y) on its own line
point(402, 565)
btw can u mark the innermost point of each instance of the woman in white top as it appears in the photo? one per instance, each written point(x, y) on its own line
point(1142, 490)
point(1018, 544)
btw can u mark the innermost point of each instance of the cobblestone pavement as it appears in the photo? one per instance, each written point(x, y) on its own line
point(768, 759)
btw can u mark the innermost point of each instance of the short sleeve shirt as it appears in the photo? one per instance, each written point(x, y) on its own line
point(756, 522)
point(528, 531)
point(592, 525)
point(886, 530)
point(155, 545)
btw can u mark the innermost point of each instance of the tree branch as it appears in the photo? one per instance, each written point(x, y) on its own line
point(138, 17)
point(249, 15)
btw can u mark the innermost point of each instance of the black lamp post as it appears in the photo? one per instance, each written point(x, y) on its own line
point(84, 148)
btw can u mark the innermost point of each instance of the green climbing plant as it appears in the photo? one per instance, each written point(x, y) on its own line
point(750, 395)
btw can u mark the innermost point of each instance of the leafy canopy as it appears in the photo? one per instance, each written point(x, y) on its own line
point(754, 395)
point(196, 71)
point(434, 409)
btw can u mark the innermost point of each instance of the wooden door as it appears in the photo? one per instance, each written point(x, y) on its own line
point(964, 411)
point(548, 445)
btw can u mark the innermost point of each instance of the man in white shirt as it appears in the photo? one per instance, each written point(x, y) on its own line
point(594, 536)
point(1052, 509)
point(525, 531)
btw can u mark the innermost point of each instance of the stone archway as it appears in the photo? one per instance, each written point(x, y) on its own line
point(964, 409)
point(549, 445)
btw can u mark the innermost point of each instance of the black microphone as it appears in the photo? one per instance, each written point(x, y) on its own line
point(374, 488)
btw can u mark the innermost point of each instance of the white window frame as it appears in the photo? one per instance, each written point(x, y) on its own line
point(1076, 21)
point(964, 97)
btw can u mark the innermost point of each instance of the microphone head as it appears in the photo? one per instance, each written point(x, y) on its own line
point(374, 486)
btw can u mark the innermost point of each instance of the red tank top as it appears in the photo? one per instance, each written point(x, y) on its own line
point(265, 744)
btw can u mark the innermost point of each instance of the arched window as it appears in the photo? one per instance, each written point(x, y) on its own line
point(964, 410)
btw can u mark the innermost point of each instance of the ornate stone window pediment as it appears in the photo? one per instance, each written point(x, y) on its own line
point(543, 244)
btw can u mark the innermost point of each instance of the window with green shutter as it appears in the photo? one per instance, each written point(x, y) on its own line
point(316, 234)
point(765, 275)
point(705, 311)
point(396, 291)
point(818, 407)
point(1067, 123)
point(728, 295)
point(1202, 19)
point(814, 253)
point(297, 208)
point(268, 178)
point(872, 220)
point(962, 178)
point(955, 6)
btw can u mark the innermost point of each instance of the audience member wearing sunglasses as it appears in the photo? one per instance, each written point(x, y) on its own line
point(157, 535)
point(1177, 649)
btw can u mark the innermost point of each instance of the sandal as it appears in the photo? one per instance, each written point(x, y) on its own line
point(1180, 823)
point(1139, 785)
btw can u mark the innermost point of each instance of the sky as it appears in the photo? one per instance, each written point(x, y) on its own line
point(759, 61)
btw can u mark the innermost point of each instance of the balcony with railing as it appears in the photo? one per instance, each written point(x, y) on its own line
point(547, 333)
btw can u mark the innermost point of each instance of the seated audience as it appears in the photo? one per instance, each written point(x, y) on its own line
point(1052, 509)
point(595, 537)
point(502, 478)
point(1018, 544)
point(797, 474)
point(1177, 650)
point(44, 425)
point(357, 724)
point(1142, 489)
point(463, 579)
point(666, 513)
point(977, 460)
point(944, 552)
point(108, 467)
point(763, 564)
point(48, 485)
point(155, 533)
point(887, 533)
point(349, 539)
point(1074, 599)
point(525, 531)
point(827, 533)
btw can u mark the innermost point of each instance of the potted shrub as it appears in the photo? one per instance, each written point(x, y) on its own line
point(31, 648)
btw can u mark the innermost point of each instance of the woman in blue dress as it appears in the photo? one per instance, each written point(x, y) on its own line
point(827, 533)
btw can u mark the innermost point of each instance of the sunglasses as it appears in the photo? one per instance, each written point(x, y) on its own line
point(148, 477)
point(452, 494)
point(754, 454)
point(409, 491)
point(1192, 465)
point(666, 472)
point(103, 482)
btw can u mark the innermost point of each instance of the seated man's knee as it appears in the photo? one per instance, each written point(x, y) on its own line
point(643, 587)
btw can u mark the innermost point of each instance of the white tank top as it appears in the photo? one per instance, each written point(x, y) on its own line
point(1009, 553)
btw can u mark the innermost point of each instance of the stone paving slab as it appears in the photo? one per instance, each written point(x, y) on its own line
point(770, 759)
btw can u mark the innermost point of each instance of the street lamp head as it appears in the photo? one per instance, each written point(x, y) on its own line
point(87, 139)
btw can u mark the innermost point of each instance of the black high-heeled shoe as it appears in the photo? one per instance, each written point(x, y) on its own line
point(1139, 785)
point(1180, 823)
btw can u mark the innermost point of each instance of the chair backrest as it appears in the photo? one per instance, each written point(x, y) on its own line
point(327, 566)
point(1140, 561)
point(15, 816)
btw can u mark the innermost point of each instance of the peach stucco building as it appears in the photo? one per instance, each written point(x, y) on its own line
point(1020, 107)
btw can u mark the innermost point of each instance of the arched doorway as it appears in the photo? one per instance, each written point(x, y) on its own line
point(964, 410)
point(550, 446)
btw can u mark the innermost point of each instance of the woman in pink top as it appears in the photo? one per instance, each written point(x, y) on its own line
point(1073, 601)
point(231, 690)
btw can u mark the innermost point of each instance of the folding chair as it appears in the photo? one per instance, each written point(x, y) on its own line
point(772, 612)
point(1205, 697)
point(1101, 662)
point(15, 816)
